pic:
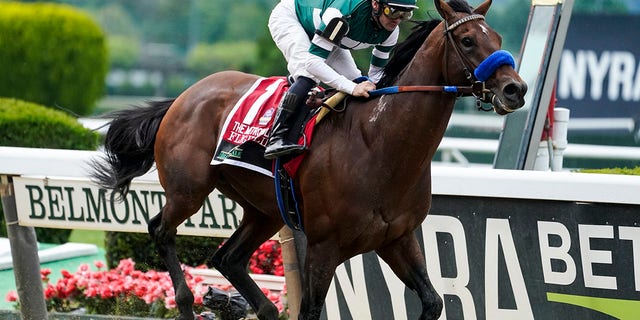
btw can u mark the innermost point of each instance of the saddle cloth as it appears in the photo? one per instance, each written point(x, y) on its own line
point(245, 132)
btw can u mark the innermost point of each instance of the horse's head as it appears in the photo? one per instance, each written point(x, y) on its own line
point(473, 53)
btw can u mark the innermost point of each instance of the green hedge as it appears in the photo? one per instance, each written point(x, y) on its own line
point(191, 250)
point(24, 124)
point(52, 55)
point(625, 171)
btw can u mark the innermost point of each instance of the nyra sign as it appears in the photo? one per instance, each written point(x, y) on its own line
point(76, 204)
point(599, 74)
point(499, 258)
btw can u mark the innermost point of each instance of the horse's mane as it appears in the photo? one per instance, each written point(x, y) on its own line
point(460, 6)
point(404, 51)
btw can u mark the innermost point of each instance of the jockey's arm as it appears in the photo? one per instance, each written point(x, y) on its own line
point(318, 67)
point(326, 39)
point(380, 56)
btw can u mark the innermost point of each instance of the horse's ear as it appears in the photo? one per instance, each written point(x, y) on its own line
point(444, 9)
point(483, 8)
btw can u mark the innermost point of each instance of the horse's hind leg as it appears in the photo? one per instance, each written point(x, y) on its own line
point(232, 259)
point(162, 229)
point(320, 266)
point(407, 261)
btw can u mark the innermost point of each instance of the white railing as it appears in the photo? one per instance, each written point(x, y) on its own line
point(495, 123)
point(557, 148)
point(50, 165)
point(453, 150)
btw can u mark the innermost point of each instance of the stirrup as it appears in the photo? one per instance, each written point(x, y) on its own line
point(292, 149)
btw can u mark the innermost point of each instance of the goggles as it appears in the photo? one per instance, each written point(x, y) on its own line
point(397, 12)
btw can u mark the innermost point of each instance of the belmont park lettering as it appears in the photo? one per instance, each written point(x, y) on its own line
point(71, 204)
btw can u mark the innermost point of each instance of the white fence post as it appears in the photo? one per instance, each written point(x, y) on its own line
point(559, 136)
point(24, 253)
point(542, 157)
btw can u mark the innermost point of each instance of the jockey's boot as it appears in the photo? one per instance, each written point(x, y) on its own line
point(279, 143)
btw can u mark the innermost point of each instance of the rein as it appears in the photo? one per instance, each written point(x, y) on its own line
point(477, 88)
point(484, 70)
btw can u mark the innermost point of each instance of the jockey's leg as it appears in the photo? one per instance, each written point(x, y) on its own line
point(279, 143)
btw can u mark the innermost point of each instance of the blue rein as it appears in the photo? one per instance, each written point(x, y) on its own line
point(398, 89)
point(483, 72)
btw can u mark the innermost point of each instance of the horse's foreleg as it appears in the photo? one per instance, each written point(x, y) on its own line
point(407, 261)
point(164, 239)
point(232, 259)
point(320, 266)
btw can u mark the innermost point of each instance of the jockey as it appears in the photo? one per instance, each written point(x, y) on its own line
point(316, 37)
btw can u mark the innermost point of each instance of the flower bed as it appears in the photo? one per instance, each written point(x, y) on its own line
point(129, 292)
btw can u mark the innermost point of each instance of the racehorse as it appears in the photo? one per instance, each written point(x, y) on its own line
point(364, 185)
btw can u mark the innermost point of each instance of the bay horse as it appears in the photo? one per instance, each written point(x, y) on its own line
point(365, 184)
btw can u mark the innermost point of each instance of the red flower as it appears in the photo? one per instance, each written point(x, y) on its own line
point(170, 302)
point(83, 267)
point(86, 287)
point(267, 259)
point(44, 274)
point(12, 296)
point(105, 292)
point(91, 292)
point(198, 300)
point(99, 264)
point(50, 292)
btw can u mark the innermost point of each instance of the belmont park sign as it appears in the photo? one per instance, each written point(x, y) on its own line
point(75, 204)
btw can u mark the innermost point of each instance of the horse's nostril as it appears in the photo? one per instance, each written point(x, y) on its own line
point(515, 89)
point(510, 89)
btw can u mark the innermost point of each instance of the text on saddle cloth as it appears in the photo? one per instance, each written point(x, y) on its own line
point(245, 131)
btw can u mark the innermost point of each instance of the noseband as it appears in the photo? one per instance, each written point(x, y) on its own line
point(480, 74)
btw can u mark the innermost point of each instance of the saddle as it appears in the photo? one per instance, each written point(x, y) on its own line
point(319, 102)
point(244, 135)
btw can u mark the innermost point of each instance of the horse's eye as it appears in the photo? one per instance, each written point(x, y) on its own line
point(467, 42)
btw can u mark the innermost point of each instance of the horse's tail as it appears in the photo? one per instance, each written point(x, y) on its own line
point(128, 146)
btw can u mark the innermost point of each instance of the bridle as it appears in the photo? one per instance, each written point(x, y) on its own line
point(448, 32)
point(478, 88)
point(477, 78)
